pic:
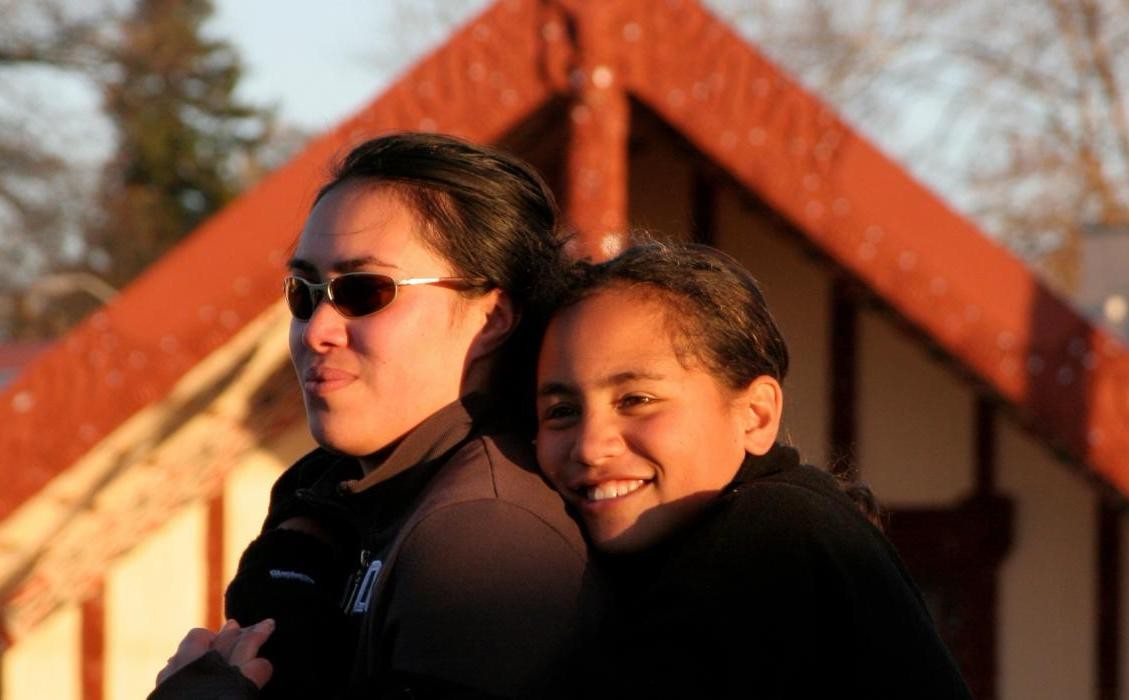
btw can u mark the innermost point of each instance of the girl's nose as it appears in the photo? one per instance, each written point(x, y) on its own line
point(598, 439)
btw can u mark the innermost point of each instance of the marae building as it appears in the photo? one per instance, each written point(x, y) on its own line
point(988, 415)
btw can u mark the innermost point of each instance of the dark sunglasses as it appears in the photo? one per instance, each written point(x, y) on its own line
point(358, 294)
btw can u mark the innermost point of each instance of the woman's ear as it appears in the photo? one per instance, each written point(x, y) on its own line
point(501, 318)
point(762, 403)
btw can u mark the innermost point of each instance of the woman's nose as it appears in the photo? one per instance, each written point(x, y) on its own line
point(325, 328)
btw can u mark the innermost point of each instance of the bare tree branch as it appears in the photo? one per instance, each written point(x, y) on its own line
point(1112, 96)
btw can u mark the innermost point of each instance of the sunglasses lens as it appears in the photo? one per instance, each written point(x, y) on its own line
point(299, 298)
point(362, 294)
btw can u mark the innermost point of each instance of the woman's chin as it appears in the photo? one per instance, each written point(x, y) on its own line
point(340, 439)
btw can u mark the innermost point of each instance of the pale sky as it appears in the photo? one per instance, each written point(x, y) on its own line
point(321, 61)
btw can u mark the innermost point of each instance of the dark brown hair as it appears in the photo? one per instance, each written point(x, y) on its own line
point(489, 214)
point(715, 306)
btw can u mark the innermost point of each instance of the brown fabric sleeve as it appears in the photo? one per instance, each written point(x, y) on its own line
point(487, 595)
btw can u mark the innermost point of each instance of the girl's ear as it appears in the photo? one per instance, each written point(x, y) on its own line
point(501, 320)
point(762, 403)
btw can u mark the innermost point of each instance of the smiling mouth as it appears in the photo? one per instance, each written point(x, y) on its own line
point(607, 490)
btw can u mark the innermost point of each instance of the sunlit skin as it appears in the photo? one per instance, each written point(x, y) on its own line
point(367, 381)
point(637, 439)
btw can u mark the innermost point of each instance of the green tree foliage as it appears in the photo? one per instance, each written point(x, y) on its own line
point(52, 53)
point(184, 139)
point(181, 146)
point(46, 47)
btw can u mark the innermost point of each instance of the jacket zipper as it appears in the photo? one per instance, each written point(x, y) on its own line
point(354, 584)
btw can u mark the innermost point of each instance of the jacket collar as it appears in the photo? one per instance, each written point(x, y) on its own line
point(778, 459)
point(436, 436)
point(634, 570)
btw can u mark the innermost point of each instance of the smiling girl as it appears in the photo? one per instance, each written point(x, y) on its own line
point(740, 572)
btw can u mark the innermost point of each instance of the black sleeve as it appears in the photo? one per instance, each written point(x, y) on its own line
point(207, 678)
point(785, 593)
point(317, 472)
point(864, 620)
point(298, 580)
point(485, 597)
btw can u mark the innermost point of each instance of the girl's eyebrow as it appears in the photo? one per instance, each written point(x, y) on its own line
point(631, 376)
point(557, 388)
point(554, 389)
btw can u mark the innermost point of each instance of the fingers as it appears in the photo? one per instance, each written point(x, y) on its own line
point(239, 646)
point(225, 640)
point(257, 670)
point(194, 645)
point(196, 642)
point(250, 640)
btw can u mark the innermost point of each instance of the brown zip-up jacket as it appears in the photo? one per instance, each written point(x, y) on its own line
point(472, 579)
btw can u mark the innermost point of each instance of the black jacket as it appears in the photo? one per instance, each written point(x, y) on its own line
point(782, 589)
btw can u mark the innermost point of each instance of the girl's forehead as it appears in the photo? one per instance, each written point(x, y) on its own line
point(622, 325)
point(644, 308)
point(606, 326)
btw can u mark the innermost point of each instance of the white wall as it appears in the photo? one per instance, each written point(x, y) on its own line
point(1048, 583)
point(154, 594)
point(46, 663)
point(915, 420)
point(798, 292)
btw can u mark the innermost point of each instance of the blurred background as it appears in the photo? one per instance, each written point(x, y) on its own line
point(963, 347)
point(125, 125)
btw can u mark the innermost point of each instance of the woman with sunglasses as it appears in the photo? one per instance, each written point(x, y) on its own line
point(416, 292)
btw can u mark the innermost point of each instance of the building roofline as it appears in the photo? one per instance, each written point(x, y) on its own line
point(1066, 377)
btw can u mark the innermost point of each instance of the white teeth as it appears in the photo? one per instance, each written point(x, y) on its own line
point(612, 489)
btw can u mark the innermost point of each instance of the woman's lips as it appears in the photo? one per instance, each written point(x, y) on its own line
point(320, 381)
